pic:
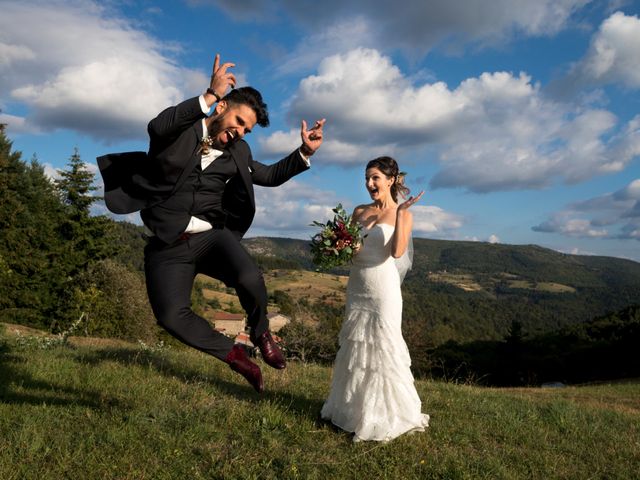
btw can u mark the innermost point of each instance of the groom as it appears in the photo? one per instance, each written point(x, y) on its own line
point(194, 190)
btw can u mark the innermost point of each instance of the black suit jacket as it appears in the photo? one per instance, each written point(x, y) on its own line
point(137, 180)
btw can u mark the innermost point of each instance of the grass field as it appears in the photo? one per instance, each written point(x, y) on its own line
point(103, 409)
point(312, 286)
point(468, 282)
point(465, 282)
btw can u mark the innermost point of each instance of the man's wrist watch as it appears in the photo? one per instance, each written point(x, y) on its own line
point(211, 91)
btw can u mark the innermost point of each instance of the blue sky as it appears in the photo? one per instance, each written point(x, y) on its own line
point(520, 119)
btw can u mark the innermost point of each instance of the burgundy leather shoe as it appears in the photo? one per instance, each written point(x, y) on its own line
point(270, 351)
point(239, 362)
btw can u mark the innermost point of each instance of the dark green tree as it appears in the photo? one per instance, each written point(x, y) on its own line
point(75, 186)
point(30, 213)
point(84, 238)
point(52, 251)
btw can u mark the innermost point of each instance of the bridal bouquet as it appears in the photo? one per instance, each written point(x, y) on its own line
point(337, 240)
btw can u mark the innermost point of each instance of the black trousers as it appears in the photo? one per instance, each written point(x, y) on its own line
point(170, 272)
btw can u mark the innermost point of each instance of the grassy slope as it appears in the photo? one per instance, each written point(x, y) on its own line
point(312, 286)
point(473, 290)
point(113, 410)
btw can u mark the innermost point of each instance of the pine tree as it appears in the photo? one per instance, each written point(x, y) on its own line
point(85, 234)
point(30, 213)
point(75, 186)
point(51, 251)
point(84, 237)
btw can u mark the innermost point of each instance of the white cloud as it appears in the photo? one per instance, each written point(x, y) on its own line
point(497, 131)
point(619, 212)
point(16, 125)
point(287, 210)
point(630, 192)
point(414, 26)
point(281, 143)
point(85, 69)
point(51, 172)
point(613, 56)
point(365, 98)
point(573, 227)
point(342, 36)
point(434, 221)
point(13, 53)
point(493, 239)
point(576, 251)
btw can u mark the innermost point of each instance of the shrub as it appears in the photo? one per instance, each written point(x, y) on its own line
point(115, 302)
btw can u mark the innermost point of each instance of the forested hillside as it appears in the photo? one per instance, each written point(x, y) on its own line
point(60, 266)
point(469, 291)
point(495, 314)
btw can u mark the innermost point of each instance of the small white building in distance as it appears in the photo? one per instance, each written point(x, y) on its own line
point(229, 323)
point(277, 321)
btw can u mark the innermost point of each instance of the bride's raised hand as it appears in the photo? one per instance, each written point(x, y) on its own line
point(410, 201)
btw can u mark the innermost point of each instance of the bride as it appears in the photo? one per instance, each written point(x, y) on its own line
point(372, 391)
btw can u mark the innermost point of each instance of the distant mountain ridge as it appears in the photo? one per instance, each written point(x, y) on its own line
point(467, 291)
point(455, 254)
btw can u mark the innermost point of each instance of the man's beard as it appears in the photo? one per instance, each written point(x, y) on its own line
point(214, 129)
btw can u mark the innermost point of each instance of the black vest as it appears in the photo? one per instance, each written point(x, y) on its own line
point(199, 196)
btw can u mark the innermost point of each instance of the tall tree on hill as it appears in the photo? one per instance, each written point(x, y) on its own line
point(51, 272)
point(30, 213)
point(75, 186)
point(84, 237)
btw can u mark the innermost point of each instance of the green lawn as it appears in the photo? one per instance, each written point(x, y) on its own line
point(110, 410)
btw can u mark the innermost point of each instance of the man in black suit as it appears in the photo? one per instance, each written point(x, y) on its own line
point(194, 190)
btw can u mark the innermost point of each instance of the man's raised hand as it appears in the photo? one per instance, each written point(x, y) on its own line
point(221, 79)
point(311, 138)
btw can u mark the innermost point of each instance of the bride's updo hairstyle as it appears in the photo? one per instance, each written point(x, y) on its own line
point(389, 167)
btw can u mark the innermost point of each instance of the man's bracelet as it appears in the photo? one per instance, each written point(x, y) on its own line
point(211, 91)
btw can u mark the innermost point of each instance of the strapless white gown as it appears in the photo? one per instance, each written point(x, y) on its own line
point(372, 390)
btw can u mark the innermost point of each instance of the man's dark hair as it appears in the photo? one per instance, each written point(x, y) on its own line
point(250, 97)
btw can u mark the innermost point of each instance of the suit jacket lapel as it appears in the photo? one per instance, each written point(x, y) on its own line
point(245, 173)
point(193, 144)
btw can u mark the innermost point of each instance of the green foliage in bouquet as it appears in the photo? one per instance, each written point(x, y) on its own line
point(337, 240)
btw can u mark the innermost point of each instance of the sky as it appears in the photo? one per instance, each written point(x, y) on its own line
point(520, 120)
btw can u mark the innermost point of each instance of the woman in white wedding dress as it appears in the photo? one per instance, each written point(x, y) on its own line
point(372, 391)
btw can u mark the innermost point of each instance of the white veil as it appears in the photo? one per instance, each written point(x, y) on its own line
point(404, 263)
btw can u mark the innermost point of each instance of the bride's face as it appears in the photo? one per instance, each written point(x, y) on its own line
point(378, 184)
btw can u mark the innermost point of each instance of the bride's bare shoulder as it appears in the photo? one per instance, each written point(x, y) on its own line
point(359, 211)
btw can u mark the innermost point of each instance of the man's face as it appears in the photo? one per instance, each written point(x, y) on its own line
point(231, 123)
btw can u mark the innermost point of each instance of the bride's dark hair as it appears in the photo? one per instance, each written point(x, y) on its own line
point(389, 167)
